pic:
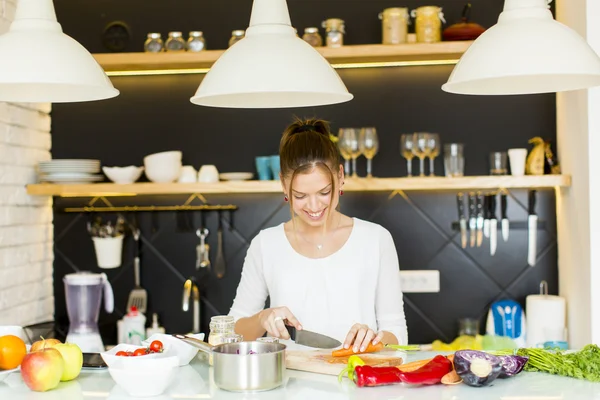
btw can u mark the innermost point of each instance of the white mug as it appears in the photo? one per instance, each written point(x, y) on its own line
point(517, 159)
point(208, 174)
point(187, 174)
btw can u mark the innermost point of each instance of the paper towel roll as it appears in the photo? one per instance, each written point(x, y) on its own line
point(545, 317)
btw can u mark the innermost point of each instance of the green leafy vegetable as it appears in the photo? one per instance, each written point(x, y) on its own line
point(583, 364)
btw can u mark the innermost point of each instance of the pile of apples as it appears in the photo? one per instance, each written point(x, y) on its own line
point(50, 362)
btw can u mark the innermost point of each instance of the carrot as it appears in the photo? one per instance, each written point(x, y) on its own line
point(348, 352)
point(413, 366)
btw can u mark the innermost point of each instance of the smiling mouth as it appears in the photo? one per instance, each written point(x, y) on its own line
point(316, 215)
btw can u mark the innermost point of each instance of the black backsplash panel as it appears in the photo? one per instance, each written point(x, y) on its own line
point(154, 114)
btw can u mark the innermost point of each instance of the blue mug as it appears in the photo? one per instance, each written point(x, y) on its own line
point(263, 167)
point(556, 344)
point(275, 166)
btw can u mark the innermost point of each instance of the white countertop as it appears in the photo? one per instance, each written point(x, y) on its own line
point(195, 382)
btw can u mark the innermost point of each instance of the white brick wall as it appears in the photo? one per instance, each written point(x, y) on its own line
point(26, 243)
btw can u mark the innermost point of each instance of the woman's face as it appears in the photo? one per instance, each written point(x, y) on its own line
point(311, 195)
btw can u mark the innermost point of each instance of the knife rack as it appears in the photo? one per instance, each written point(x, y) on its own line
point(514, 225)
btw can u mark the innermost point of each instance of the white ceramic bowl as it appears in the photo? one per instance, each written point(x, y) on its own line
point(163, 167)
point(123, 175)
point(150, 378)
point(184, 352)
point(112, 360)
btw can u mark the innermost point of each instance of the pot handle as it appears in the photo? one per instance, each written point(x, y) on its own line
point(203, 346)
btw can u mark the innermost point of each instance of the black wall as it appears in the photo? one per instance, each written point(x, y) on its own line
point(154, 114)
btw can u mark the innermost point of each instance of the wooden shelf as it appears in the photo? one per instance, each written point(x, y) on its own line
point(351, 185)
point(359, 54)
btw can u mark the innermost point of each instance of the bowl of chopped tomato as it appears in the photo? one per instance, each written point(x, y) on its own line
point(130, 354)
point(185, 352)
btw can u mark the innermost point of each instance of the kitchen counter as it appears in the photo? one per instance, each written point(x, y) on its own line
point(195, 382)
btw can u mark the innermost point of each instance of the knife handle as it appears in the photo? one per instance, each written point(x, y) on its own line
point(486, 206)
point(531, 202)
point(493, 206)
point(480, 204)
point(292, 331)
point(503, 205)
point(472, 204)
point(461, 205)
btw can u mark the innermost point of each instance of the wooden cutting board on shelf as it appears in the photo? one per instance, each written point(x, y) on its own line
point(321, 361)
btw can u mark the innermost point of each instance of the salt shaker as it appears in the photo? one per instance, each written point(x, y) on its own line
point(335, 32)
point(196, 42)
point(175, 42)
point(236, 36)
point(154, 43)
point(312, 37)
point(394, 25)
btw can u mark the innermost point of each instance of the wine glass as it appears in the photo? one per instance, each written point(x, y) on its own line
point(433, 143)
point(348, 140)
point(406, 149)
point(345, 150)
point(369, 145)
point(421, 149)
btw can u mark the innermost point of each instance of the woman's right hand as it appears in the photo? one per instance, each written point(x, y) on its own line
point(273, 320)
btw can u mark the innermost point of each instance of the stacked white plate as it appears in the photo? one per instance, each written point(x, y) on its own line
point(70, 171)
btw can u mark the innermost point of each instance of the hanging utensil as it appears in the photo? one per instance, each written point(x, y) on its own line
point(220, 260)
point(472, 220)
point(532, 229)
point(462, 220)
point(479, 219)
point(202, 250)
point(505, 223)
point(138, 297)
point(493, 225)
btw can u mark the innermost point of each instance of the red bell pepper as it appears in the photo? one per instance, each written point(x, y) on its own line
point(429, 374)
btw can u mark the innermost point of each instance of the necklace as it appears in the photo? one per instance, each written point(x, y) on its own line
point(319, 246)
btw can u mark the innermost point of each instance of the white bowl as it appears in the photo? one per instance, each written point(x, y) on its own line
point(112, 360)
point(123, 175)
point(184, 352)
point(163, 167)
point(148, 379)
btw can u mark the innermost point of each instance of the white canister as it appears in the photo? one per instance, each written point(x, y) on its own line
point(132, 328)
point(394, 25)
point(108, 251)
point(546, 315)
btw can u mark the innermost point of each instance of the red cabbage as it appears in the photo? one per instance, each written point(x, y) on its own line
point(477, 368)
point(512, 365)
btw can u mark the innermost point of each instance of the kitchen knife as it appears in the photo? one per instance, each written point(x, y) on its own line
point(532, 229)
point(462, 220)
point(312, 339)
point(479, 219)
point(505, 223)
point(472, 220)
point(486, 216)
point(493, 225)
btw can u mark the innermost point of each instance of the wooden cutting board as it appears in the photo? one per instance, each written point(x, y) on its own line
point(321, 361)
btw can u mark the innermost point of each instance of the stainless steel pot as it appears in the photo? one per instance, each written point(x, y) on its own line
point(245, 366)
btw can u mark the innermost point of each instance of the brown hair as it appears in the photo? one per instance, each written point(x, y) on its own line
point(305, 145)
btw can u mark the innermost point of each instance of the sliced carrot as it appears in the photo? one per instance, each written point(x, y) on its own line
point(348, 352)
point(413, 366)
point(451, 378)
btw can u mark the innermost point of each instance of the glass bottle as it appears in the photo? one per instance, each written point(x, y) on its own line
point(236, 36)
point(428, 23)
point(175, 42)
point(154, 43)
point(196, 42)
point(220, 327)
point(394, 25)
point(312, 37)
point(335, 32)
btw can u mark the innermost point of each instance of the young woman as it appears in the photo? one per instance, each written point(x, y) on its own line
point(323, 271)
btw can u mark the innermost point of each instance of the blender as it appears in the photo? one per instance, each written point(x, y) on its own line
point(83, 292)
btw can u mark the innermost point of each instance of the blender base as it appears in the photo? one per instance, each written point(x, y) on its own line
point(87, 342)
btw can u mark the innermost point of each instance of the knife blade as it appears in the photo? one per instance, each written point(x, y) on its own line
point(505, 223)
point(532, 219)
point(493, 225)
point(486, 216)
point(312, 339)
point(479, 219)
point(462, 220)
point(472, 220)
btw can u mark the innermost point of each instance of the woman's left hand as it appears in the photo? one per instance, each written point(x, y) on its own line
point(360, 336)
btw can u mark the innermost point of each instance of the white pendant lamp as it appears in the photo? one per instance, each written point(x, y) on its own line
point(527, 51)
point(41, 64)
point(271, 68)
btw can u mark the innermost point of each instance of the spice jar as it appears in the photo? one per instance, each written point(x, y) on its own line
point(154, 43)
point(394, 25)
point(196, 42)
point(312, 37)
point(175, 42)
point(428, 23)
point(335, 32)
point(220, 326)
point(236, 36)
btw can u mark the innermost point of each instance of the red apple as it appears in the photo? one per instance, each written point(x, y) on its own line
point(42, 370)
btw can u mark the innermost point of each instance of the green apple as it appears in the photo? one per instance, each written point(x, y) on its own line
point(41, 370)
point(73, 357)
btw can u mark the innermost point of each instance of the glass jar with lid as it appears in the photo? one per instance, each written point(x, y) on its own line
point(153, 43)
point(196, 42)
point(394, 25)
point(312, 37)
point(428, 23)
point(220, 326)
point(335, 29)
point(236, 36)
point(175, 42)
